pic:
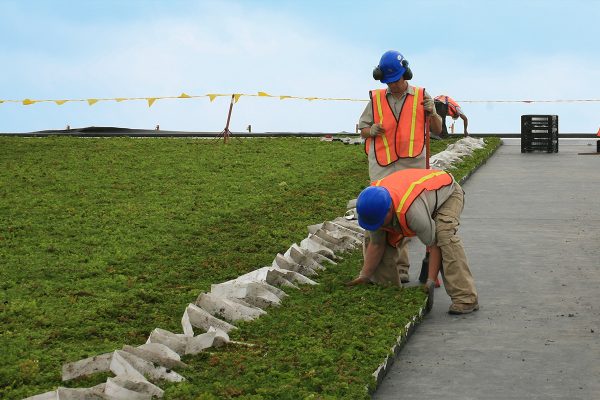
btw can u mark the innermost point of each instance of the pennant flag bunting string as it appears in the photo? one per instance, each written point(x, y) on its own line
point(236, 97)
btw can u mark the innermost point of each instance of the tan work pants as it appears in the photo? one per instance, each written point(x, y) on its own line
point(456, 274)
point(394, 262)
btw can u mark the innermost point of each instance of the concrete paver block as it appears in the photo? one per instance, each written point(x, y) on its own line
point(186, 325)
point(92, 393)
point(317, 257)
point(317, 246)
point(87, 366)
point(174, 341)
point(136, 368)
point(272, 276)
point(275, 290)
point(321, 259)
point(303, 257)
point(117, 392)
point(341, 231)
point(199, 343)
point(221, 337)
point(325, 253)
point(314, 228)
point(121, 366)
point(230, 309)
point(339, 235)
point(157, 353)
point(254, 293)
point(281, 263)
point(200, 318)
point(62, 393)
point(277, 277)
point(213, 338)
point(295, 277)
point(338, 244)
point(44, 396)
point(126, 388)
point(350, 224)
point(455, 152)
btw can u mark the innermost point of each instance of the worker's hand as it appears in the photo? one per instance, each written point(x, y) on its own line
point(429, 105)
point(376, 130)
point(361, 280)
point(428, 286)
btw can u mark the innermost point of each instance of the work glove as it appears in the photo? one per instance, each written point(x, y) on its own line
point(428, 105)
point(376, 130)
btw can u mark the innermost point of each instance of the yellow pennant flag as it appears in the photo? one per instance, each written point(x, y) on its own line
point(236, 97)
point(120, 99)
point(212, 96)
point(91, 102)
point(311, 98)
point(184, 96)
point(284, 97)
point(151, 101)
point(60, 102)
point(28, 102)
point(264, 94)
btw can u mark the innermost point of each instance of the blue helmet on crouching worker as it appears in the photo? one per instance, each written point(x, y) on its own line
point(392, 66)
point(372, 207)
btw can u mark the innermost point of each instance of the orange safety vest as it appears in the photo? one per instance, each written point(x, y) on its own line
point(453, 107)
point(404, 187)
point(403, 137)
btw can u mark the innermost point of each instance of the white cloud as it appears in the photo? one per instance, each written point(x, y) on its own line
point(228, 47)
point(236, 50)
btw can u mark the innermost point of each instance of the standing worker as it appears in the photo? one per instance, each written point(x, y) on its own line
point(447, 106)
point(418, 202)
point(393, 125)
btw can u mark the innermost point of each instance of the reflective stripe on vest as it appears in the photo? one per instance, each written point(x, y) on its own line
point(404, 187)
point(378, 95)
point(403, 137)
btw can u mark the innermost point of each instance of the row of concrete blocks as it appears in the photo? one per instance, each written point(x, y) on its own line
point(137, 369)
point(455, 152)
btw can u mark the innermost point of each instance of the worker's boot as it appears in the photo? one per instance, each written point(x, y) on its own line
point(461, 308)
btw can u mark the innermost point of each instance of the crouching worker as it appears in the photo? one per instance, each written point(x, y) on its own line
point(416, 202)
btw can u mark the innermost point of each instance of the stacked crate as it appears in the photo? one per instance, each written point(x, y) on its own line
point(539, 132)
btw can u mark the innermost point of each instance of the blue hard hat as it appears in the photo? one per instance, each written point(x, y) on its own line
point(372, 206)
point(392, 65)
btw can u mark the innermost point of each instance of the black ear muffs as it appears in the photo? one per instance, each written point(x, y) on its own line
point(408, 73)
point(378, 73)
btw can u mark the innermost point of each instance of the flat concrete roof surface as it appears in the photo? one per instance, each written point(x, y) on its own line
point(531, 230)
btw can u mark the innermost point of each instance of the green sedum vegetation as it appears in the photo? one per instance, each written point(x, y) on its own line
point(103, 240)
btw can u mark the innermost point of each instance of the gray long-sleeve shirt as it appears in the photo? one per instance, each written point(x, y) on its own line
point(419, 216)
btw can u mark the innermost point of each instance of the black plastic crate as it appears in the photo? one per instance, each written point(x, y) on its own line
point(539, 133)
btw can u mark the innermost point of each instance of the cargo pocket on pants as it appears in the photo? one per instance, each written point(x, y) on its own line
point(445, 230)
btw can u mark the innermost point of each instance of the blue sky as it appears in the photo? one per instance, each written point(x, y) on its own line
point(470, 50)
